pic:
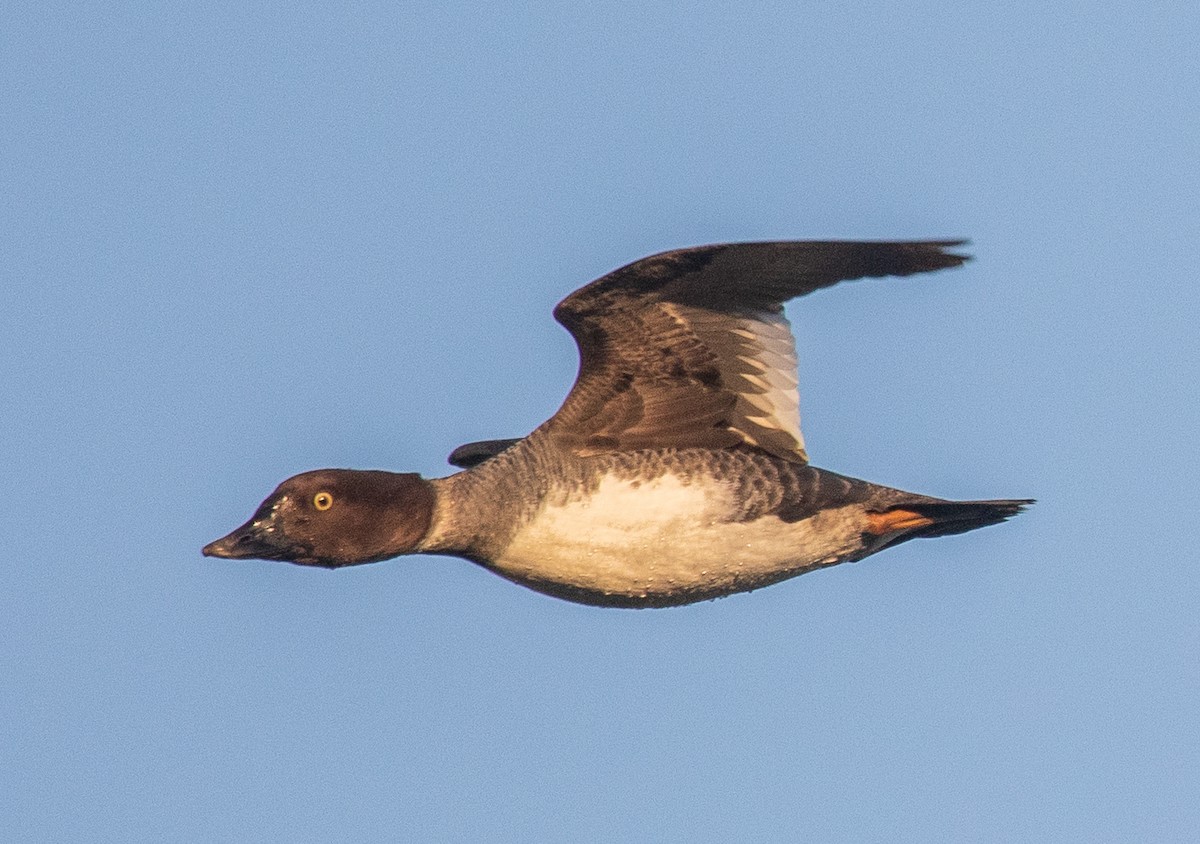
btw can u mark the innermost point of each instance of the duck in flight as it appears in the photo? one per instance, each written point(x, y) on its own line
point(674, 471)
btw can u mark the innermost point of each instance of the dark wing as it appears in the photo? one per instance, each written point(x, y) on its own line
point(472, 454)
point(690, 348)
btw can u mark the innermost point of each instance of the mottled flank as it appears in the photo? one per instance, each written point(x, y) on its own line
point(671, 526)
point(675, 470)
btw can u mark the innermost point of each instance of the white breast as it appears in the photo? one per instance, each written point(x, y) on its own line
point(667, 536)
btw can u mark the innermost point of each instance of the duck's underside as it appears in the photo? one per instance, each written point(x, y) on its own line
point(678, 539)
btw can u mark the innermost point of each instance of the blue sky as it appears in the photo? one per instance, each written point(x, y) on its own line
point(245, 240)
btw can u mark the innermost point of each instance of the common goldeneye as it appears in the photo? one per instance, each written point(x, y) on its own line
point(674, 471)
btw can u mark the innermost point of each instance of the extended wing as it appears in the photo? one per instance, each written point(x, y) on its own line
point(690, 348)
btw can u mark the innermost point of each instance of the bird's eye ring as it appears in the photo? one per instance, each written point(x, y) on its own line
point(322, 501)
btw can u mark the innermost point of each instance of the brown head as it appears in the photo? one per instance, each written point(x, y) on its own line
point(335, 517)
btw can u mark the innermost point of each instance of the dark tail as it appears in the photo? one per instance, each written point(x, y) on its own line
point(913, 520)
point(961, 516)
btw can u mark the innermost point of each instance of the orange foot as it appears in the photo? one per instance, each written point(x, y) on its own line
point(895, 520)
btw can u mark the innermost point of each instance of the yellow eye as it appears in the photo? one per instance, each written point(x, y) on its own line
point(322, 500)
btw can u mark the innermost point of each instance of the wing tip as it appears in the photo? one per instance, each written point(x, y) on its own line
point(470, 455)
point(930, 255)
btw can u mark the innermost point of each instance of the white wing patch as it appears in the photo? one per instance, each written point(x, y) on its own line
point(767, 384)
point(757, 357)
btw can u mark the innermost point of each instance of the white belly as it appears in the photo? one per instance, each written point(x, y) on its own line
point(669, 537)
